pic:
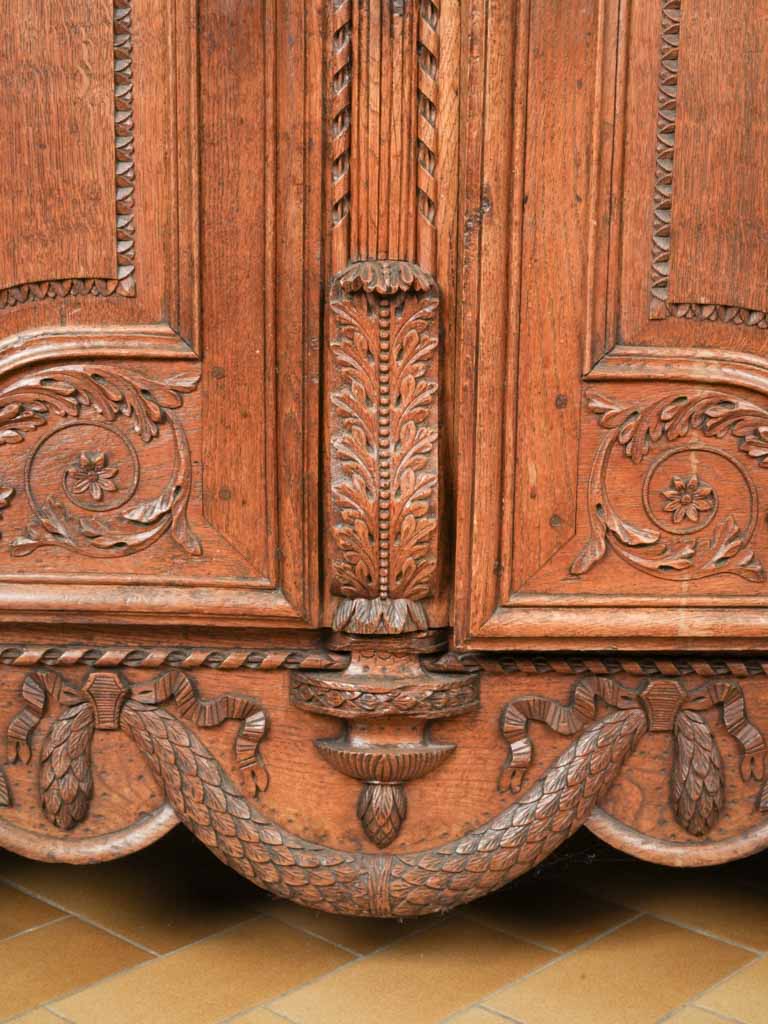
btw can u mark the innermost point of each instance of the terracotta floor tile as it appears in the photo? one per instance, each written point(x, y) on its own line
point(714, 901)
point(209, 981)
point(744, 996)
point(419, 980)
point(362, 935)
point(693, 1015)
point(19, 912)
point(634, 975)
point(564, 918)
point(171, 894)
point(41, 965)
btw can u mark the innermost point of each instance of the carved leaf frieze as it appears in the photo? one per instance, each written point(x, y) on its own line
point(384, 448)
point(672, 16)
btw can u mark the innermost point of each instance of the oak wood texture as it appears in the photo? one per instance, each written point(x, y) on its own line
point(369, 369)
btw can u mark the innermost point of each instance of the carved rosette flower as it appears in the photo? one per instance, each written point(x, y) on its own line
point(92, 475)
point(687, 498)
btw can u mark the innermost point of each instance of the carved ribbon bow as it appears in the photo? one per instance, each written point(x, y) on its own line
point(66, 778)
point(698, 781)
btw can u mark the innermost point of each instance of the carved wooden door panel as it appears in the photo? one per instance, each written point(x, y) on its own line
point(616, 489)
point(132, 359)
point(368, 370)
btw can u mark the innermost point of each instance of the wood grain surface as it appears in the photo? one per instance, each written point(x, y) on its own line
point(384, 431)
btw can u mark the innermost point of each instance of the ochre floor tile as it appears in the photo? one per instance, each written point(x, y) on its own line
point(478, 1015)
point(209, 981)
point(713, 901)
point(40, 1016)
point(551, 913)
point(263, 1016)
point(46, 963)
point(744, 996)
point(362, 934)
point(167, 896)
point(419, 980)
point(19, 912)
point(634, 975)
point(693, 1015)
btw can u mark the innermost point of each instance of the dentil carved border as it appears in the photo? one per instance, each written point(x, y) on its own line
point(666, 124)
point(125, 282)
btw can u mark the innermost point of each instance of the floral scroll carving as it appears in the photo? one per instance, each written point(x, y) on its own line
point(384, 446)
point(691, 534)
point(92, 400)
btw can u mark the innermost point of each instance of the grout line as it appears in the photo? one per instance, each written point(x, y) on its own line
point(717, 1016)
point(709, 935)
point(316, 935)
point(57, 1014)
point(722, 981)
point(33, 1009)
point(266, 1003)
point(478, 1006)
point(242, 1013)
point(82, 917)
point(34, 928)
point(508, 933)
point(556, 960)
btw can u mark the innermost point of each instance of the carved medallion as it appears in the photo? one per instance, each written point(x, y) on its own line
point(92, 465)
point(694, 528)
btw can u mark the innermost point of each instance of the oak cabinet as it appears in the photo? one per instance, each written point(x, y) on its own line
point(384, 419)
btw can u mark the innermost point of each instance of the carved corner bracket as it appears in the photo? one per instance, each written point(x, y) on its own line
point(386, 703)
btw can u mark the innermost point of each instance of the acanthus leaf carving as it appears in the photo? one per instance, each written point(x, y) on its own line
point(384, 447)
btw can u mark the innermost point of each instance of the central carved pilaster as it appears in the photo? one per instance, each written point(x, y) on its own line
point(384, 305)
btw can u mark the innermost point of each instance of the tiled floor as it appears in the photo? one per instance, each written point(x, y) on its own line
point(170, 935)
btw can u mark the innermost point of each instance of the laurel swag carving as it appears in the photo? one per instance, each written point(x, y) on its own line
point(698, 785)
point(638, 428)
point(66, 779)
point(106, 395)
point(384, 446)
point(559, 802)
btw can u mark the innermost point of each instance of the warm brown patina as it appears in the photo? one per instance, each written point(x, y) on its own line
point(369, 370)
